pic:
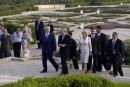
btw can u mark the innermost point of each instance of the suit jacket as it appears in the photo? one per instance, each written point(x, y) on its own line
point(51, 28)
point(102, 42)
point(119, 50)
point(96, 48)
point(73, 47)
point(5, 43)
point(49, 44)
point(67, 41)
point(39, 30)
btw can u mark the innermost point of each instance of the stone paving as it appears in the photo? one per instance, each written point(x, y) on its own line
point(14, 70)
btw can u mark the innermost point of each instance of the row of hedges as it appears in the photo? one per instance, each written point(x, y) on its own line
point(94, 3)
point(73, 80)
point(17, 11)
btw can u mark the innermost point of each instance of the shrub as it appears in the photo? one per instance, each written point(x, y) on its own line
point(127, 51)
point(73, 80)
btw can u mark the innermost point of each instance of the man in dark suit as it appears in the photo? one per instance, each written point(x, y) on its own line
point(106, 62)
point(96, 50)
point(73, 53)
point(5, 44)
point(39, 29)
point(51, 26)
point(64, 42)
point(102, 44)
point(48, 49)
point(115, 53)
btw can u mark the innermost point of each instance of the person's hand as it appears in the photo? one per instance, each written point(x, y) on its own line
point(99, 53)
point(63, 45)
point(107, 58)
point(77, 51)
point(60, 45)
point(122, 59)
point(90, 53)
point(74, 57)
point(54, 52)
point(37, 41)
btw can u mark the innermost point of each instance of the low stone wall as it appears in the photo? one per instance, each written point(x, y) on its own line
point(51, 6)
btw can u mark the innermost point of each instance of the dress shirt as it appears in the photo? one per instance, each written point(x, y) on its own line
point(92, 36)
point(98, 34)
point(63, 36)
point(17, 37)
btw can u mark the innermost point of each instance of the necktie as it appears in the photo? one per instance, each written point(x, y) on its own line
point(46, 37)
point(113, 44)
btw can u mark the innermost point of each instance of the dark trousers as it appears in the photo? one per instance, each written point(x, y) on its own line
point(39, 45)
point(44, 61)
point(106, 63)
point(75, 63)
point(38, 38)
point(116, 66)
point(64, 64)
point(99, 61)
point(17, 49)
point(4, 53)
point(89, 65)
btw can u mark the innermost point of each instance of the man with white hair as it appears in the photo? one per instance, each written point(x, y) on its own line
point(64, 42)
point(5, 44)
point(48, 41)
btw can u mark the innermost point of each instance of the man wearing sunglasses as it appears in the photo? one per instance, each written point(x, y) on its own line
point(115, 53)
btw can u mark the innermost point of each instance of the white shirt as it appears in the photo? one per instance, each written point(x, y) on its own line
point(1, 33)
point(17, 37)
point(92, 36)
point(98, 34)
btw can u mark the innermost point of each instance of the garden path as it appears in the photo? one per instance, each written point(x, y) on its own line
point(13, 71)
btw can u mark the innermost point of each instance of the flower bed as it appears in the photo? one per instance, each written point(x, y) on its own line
point(109, 25)
point(80, 20)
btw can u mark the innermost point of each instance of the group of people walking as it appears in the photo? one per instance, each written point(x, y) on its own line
point(95, 49)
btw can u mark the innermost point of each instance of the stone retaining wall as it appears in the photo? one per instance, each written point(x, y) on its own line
point(51, 6)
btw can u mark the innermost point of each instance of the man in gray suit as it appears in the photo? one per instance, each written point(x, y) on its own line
point(5, 44)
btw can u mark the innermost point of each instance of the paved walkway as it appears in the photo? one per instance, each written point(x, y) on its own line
point(12, 71)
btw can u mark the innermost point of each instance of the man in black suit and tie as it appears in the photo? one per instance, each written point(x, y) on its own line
point(102, 44)
point(48, 49)
point(51, 26)
point(5, 44)
point(73, 53)
point(115, 53)
point(39, 29)
point(96, 50)
point(64, 42)
point(106, 62)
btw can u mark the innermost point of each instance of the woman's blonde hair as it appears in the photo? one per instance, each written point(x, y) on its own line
point(85, 31)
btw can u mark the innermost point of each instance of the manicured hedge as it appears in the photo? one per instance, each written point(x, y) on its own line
point(74, 80)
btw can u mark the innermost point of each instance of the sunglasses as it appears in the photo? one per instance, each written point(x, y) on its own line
point(113, 35)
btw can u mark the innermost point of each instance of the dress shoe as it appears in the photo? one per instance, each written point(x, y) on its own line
point(94, 71)
point(115, 75)
point(99, 70)
point(44, 71)
point(57, 68)
point(38, 48)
